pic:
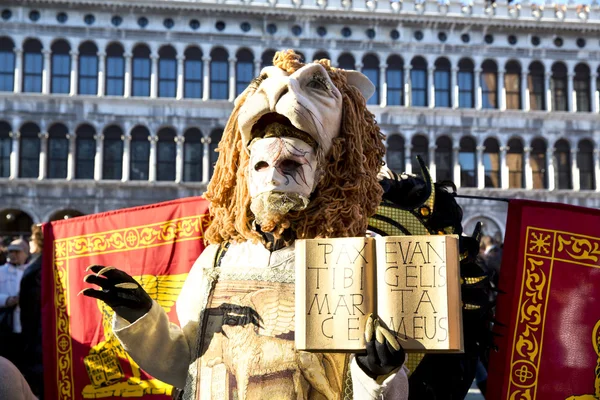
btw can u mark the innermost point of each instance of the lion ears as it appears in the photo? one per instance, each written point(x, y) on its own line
point(361, 82)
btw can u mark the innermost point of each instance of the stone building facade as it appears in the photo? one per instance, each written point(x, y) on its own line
point(111, 104)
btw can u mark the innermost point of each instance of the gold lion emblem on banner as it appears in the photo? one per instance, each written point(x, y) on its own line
point(104, 362)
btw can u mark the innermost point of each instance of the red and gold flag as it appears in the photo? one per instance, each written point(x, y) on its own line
point(550, 348)
point(157, 245)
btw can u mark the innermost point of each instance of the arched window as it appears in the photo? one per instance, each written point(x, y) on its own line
point(395, 153)
point(443, 159)
point(85, 152)
point(7, 65)
point(33, 66)
point(165, 155)
point(466, 87)
point(267, 58)
point(562, 155)
point(193, 73)
point(319, 55)
point(418, 79)
point(193, 151)
point(115, 70)
point(141, 71)
point(512, 85)
point(467, 158)
point(491, 163)
point(112, 167)
point(420, 147)
point(515, 162)
point(5, 149)
point(558, 86)
point(346, 61)
point(585, 163)
point(441, 79)
point(167, 72)
point(88, 69)
point(219, 74)
point(139, 158)
point(581, 84)
point(61, 67)
point(244, 70)
point(489, 84)
point(29, 157)
point(371, 71)
point(535, 83)
point(395, 81)
point(215, 138)
point(58, 152)
point(537, 159)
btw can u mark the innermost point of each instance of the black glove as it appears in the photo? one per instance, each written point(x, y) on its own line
point(119, 291)
point(384, 352)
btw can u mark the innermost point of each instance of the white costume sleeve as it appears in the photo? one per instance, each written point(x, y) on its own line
point(160, 347)
point(394, 386)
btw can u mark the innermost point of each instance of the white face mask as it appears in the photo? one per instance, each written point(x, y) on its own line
point(282, 164)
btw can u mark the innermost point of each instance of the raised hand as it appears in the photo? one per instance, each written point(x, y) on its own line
point(119, 291)
point(384, 352)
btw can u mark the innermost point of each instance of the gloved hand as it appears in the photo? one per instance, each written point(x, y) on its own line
point(119, 291)
point(384, 352)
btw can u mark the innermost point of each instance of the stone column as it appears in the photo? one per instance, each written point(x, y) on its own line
point(101, 73)
point(126, 157)
point(383, 89)
point(571, 105)
point(594, 92)
point(550, 168)
point(432, 164)
point(431, 86)
point(232, 79)
point(180, 81)
point(46, 72)
point(575, 170)
point(504, 184)
point(206, 78)
point(18, 70)
point(548, 91)
point(127, 78)
point(99, 157)
point(257, 67)
point(480, 167)
point(154, 76)
point(407, 86)
point(179, 143)
point(71, 157)
point(152, 163)
point(454, 88)
point(206, 159)
point(74, 73)
point(456, 166)
point(501, 91)
point(14, 154)
point(478, 94)
point(527, 167)
point(597, 169)
point(525, 106)
point(43, 155)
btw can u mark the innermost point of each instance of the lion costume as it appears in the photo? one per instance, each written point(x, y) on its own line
point(299, 159)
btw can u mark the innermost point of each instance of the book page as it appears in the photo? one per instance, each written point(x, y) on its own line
point(418, 291)
point(334, 293)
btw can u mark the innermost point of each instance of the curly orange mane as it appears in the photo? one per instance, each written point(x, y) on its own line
point(346, 196)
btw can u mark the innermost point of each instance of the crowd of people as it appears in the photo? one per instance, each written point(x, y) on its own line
point(20, 317)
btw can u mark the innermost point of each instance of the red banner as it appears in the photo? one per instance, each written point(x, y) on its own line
point(155, 244)
point(550, 348)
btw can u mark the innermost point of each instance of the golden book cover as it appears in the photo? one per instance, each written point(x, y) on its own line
point(411, 282)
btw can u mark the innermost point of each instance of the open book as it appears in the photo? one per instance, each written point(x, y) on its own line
point(411, 282)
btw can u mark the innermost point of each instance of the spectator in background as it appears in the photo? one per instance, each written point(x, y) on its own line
point(10, 320)
point(30, 301)
point(492, 254)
